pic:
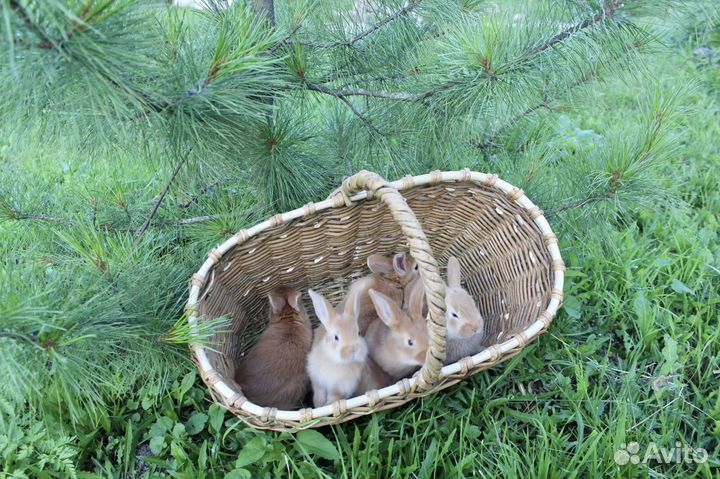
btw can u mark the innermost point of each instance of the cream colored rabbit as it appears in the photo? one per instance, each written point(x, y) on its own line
point(464, 322)
point(337, 359)
point(389, 276)
point(398, 342)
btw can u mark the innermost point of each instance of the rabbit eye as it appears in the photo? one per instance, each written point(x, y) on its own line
point(337, 338)
point(411, 342)
point(454, 315)
point(416, 267)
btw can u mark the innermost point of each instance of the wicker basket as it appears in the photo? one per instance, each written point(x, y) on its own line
point(509, 256)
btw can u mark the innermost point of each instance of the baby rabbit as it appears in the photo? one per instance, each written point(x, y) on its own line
point(399, 341)
point(337, 359)
point(273, 373)
point(373, 377)
point(464, 322)
point(389, 276)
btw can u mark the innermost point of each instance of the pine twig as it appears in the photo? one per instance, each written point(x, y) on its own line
point(610, 193)
point(159, 201)
point(47, 42)
point(375, 79)
point(357, 113)
point(27, 19)
point(369, 31)
point(205, 190)
point(342, 96)
point(391, 18)
point(579, 204)
point(398, 96)
point(546, 102)
point(608, 11)
point(285, 40)
point(617, 175)
point(197, 219)
point(16, 216)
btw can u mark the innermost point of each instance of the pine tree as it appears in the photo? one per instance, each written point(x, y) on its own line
point(208, 120)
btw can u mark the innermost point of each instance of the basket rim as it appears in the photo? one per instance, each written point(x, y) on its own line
point(232, 398)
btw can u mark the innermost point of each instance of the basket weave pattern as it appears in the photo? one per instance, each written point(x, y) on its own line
point(509, 255)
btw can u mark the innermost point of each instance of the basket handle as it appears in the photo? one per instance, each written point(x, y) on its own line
point(421, 252)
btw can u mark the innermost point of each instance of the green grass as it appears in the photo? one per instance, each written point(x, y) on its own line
point(632, 357)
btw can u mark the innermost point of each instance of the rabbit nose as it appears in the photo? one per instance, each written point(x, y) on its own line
point(346, 352)
point(468, 330)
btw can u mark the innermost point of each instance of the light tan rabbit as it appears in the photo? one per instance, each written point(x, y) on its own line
point(274, 373)
point(465, 324)
point(373, 377)
point(398, 342)
point(337, 359)
point(389, 276)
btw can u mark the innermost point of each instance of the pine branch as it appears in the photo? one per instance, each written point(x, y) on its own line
point(660, 120)
point(78, 25)
point(33, 341)
point(375, 79)
point(205, 190)
point(608, 11)
point(546, 102)
point(359, 115)
point(286, 40)
point(160, 199)
point(400, 13)
point(27, 19)
point(267, 7)
point(47, 43)
point(342, 96)
point(369, 31)
point(197, 219)
point(11, 213)
point(17, 216)
point(613, 188)
point(579, 204)
point(399, 96)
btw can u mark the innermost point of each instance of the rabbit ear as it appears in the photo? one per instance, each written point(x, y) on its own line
point(453, 272)
point(379, 264)
point(417, 296)
point(352, 306)
point(277, 301)
point(400, 264)
point(323, 309)
point(293, 299)
point(387, 310)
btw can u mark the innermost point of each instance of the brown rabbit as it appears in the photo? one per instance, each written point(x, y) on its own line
point(398, 342)
point(337, 359)
point(465, 324)
point(273, 373)
point(389, 276)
